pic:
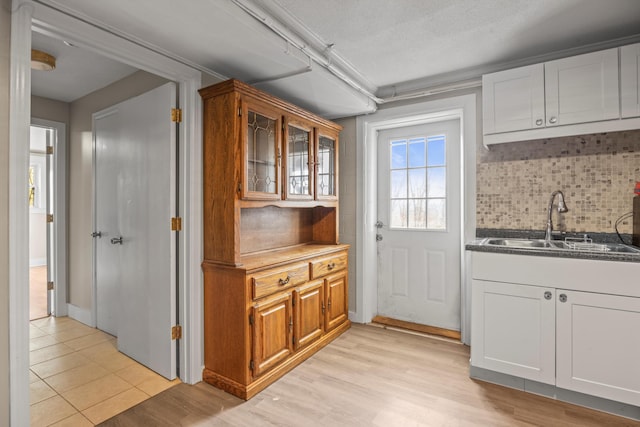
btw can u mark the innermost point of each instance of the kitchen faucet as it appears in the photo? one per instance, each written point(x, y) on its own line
point(562, 207)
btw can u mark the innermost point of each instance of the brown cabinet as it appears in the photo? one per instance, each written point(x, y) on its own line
point(275, 275)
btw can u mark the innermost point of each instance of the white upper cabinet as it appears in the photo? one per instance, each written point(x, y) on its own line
point(630, 80)
point(582, 88)
point(584, 94)
point(513, 99)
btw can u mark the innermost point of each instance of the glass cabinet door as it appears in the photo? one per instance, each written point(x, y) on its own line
point(327, 167)
point(261, 178)
point(299, 160)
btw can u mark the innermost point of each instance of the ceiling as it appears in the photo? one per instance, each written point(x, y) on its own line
point(336, 57)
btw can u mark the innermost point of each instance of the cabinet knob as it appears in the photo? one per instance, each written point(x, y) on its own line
point(547, 295)
point(553, 120)
point(563, 298)
point(284, 281)
point(539, 122)
point(331, 266)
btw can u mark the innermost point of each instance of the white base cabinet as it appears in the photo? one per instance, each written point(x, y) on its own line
point(513, 330)
point(557, 321)
point(598, 345)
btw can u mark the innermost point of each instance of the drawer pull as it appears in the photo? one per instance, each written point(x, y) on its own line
point(331, 266)
point(283, 282)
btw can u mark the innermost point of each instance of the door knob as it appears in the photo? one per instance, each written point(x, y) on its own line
point(379, 224)
point(116, 240)
point(96, 234)
point(378, 237)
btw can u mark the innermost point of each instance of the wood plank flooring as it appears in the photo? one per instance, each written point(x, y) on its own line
point(369, 376)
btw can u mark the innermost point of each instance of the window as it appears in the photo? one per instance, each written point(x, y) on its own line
point(418, 190)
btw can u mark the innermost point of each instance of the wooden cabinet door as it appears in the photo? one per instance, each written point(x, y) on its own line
point(337, 303)
point(309, 309)
point(598, 348)
point(261, 139)
point(272, 329)
point(582, 88)
point(513, 100)
point(513, 329)
point(630, 80)
point(298, 159)
point(326, 165)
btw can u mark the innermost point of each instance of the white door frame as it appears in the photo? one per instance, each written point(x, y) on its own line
point(26, 13)
point(59, 259)
point(459, 107)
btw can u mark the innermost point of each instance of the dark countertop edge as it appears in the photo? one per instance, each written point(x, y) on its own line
point(551, 253)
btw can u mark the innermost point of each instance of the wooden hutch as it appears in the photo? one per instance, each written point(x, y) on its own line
point(275, 275)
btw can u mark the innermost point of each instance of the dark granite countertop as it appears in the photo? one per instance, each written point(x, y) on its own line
point(547, 252)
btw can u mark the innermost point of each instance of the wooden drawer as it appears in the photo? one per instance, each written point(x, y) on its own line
point(274, 280)
point(323, 266)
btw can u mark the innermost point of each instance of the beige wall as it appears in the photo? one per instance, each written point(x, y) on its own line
point(80, 176)
point(596, 173)
point(49, 109)
point(5, 35)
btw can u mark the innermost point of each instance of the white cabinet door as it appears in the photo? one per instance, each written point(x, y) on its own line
point(582, 88)
point(513, 99)
point(513, 329)
point(630, 80)
point(598, 345)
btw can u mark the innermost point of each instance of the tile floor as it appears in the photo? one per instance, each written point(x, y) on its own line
point(78, 378)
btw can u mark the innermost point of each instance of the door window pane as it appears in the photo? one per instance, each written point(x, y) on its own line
point(418, 187)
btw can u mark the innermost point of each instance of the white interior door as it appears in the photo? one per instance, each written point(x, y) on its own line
point(135, 259)
point(419, 224)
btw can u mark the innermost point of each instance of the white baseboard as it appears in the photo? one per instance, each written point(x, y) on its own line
point(80, 314)
point(37, 262)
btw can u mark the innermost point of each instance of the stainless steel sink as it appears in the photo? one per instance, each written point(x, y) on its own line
point(524, 243)
point(578, 246)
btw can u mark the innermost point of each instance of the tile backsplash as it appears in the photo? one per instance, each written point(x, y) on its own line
point(596, 173)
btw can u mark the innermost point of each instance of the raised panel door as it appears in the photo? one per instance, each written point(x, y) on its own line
point(261, 137)
point(298, 159)
point(513, 329)
point(272, 329)
point(326, 165)
point(513, 100)
point(597, 345)
point(630, 80)
point(582, 88)
point(337, 304)
point(309, 312)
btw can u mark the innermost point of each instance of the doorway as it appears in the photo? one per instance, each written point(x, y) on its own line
point(47, 240)
point(419, 225)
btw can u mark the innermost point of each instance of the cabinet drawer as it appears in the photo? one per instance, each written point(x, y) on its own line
point(323, 266)
point(274, 280)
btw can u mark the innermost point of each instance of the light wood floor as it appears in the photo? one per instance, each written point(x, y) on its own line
point(368, 377)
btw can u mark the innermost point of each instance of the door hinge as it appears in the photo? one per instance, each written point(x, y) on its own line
point(49, 217)
point(252, 365)
point(239, 187)
point(50, 149)
point(176, 223)
point(239, 111)
point(49, 286)
point(176, 115)
point(293, 340)
point(176, 332)
point(293, 302)
point(251, 319)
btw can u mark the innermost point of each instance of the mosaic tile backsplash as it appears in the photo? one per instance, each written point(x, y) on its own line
point(596, 173)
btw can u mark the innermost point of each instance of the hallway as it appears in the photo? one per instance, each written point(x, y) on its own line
point(78, 377)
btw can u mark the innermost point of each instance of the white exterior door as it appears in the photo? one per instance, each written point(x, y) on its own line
point(419, 213)
point(135, 198)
